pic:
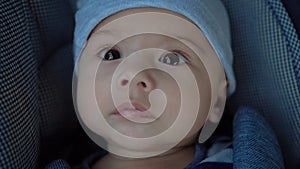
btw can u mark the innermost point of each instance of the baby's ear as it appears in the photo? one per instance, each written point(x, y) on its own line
point(215, 113)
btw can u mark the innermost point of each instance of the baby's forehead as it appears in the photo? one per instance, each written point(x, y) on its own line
point(179, 39)
point(210, 17)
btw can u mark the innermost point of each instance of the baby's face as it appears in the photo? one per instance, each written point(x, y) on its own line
point(148, 81)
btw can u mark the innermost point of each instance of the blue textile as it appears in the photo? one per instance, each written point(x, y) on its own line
point(254, 146)
point(209, 15)
point(266, 52)
point(58, 164)
point(254, 142)
point(197, 162)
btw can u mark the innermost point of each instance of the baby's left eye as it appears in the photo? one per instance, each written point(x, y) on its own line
point(172, 58)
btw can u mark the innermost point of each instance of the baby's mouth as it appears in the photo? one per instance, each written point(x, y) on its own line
point(134, 112)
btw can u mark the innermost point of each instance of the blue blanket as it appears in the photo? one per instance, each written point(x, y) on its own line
point(254, 145)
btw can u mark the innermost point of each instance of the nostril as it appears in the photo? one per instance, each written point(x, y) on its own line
point(143, 84)
point(124, 82)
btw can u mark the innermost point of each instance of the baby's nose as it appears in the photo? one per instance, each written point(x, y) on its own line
point(142, 80)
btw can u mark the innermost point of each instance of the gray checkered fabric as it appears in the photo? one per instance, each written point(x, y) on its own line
point(58, 122)
point(267, 65)
point(58, 164)
point(19, 138)
point(37, 120)
point(55, 24)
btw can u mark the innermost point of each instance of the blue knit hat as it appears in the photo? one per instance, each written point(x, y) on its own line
point(209, 15)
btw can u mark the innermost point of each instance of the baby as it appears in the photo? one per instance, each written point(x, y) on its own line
point(151, 80)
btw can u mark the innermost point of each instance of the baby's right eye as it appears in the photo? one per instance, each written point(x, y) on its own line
point(111, 54)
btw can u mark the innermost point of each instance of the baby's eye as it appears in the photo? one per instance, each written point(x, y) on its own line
point(111, 54)
point(172, 58)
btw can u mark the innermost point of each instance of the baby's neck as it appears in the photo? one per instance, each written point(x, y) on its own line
point(176, 159)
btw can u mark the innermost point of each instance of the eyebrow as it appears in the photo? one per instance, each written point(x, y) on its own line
point(100, 32)
point(180, 38)
point(191, 51)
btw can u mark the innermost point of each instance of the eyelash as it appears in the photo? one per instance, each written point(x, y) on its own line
point(113, 51)
point(168, 57)
point(104, 52)
point(183, 54)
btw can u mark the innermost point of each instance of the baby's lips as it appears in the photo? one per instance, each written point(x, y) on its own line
point(133, 111)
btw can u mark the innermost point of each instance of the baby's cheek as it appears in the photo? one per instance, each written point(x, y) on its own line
point(103, 93)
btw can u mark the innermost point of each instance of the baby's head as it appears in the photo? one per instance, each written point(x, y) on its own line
point(150, 74)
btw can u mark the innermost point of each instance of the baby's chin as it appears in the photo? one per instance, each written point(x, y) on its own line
point(139, 148)
point(133, 129)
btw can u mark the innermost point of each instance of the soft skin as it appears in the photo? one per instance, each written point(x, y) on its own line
point(148, 48)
